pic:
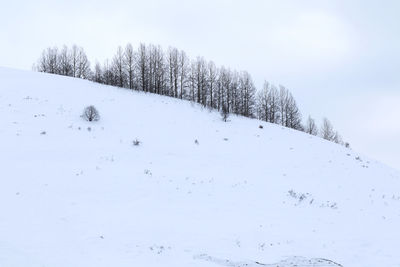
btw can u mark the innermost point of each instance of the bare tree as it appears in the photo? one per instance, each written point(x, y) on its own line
point(200, 80)
point(274, 105)
point(311, 127)
point(268, 103)
point(173, 70)
point(41, 64)
point(74, 60)
point(142, 66)
point(151, 52)
point(212, 80)
point(192, 81)
point(263, 102)
point(337, 138)
point(283, 105)
point(247, 94)
point(233, 94)
point(108, 74)
point(327, 131)
point(118, 66)
point(183, 73)
point(129, 64)
point(293, 115)
point(98, 74)
point(48, 62)
point(90, 113)
point(83, 65)
point(157, 71)
point(224, 89)
point(65, 67)
point(224, 112)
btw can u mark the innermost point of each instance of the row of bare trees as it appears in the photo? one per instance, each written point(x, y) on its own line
point(172, 73)
point(326, 131)
point(68, 62)
point(278, 106)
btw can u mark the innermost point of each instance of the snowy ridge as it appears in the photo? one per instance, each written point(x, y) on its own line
point(74, 193)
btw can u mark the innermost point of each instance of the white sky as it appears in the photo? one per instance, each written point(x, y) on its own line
point(340, 58)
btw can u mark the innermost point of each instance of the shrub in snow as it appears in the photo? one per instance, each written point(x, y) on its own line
point(136, 142)
point(90, 113)
point(299, 196)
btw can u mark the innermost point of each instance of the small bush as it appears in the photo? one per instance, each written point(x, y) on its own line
point(136, 142)
point(90, 113)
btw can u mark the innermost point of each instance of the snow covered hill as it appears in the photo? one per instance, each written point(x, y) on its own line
point(75, 193)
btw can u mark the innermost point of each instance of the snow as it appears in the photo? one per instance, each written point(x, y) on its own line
point(77, 193)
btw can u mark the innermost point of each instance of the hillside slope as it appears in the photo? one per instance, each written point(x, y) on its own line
point(74, 193)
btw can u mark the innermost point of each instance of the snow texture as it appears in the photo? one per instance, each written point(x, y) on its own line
point(193, 191)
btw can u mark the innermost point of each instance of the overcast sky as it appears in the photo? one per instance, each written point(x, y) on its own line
point(340, 59)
